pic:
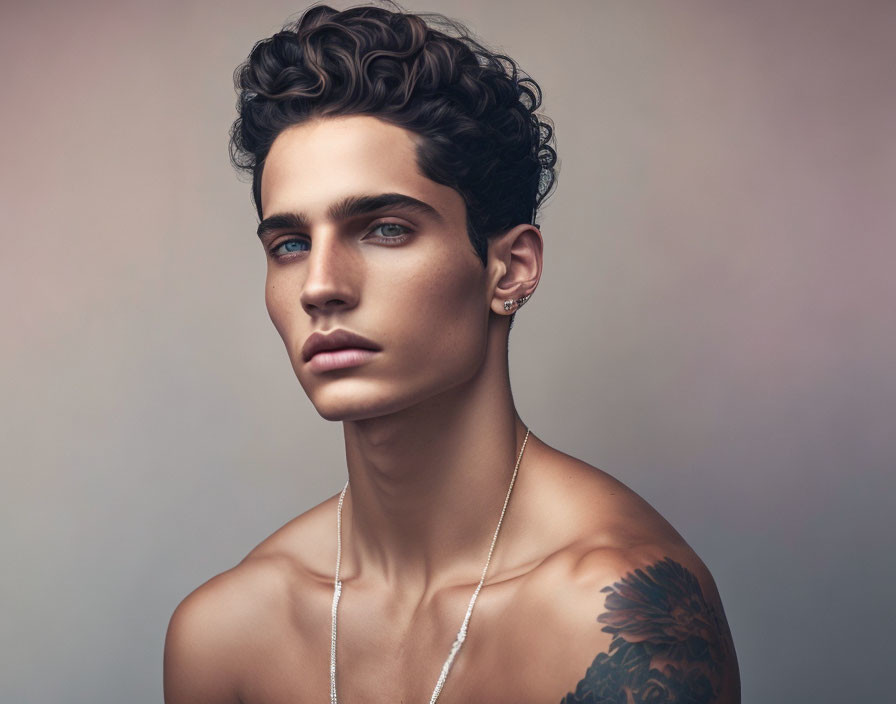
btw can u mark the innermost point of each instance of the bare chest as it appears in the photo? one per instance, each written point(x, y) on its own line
point(385, 656)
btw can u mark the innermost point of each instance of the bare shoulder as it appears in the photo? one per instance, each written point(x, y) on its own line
point(635, 613)
point(223, 632)
point(647, 620)
point(201, 658)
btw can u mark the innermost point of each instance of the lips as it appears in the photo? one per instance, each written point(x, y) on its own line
point(338, 339)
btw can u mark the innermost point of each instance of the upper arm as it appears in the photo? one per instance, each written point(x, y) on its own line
point(669, 639)
point(199, 660)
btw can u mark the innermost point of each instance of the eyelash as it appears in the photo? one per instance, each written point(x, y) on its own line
point(398, 239)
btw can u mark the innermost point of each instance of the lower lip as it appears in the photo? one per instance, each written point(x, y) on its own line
point(339, 359)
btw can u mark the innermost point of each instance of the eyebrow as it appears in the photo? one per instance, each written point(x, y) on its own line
point(349, 207)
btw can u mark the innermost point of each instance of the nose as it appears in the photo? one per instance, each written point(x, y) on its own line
point(330, 277)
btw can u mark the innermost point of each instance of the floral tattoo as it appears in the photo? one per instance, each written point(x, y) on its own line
point(669, 643)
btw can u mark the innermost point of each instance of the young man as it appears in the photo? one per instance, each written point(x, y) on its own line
point(397, 172)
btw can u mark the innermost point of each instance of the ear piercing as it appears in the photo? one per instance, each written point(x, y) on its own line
point(509, 303)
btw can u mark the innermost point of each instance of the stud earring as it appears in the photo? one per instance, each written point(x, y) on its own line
point(519, 302)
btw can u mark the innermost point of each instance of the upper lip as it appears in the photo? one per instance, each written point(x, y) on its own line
point(338, 339)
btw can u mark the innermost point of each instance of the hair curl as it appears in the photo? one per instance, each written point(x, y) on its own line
point(474, 109)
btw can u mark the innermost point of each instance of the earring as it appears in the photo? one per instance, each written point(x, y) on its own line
point(509, 303)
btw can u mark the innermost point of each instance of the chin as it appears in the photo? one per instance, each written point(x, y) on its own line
point(352, 403)
point(367, 396)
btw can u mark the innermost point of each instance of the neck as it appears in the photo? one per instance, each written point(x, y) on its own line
point(427, 485)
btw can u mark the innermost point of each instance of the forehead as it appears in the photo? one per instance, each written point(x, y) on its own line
point(316, 163)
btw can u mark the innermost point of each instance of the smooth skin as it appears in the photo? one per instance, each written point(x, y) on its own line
point(586, 577)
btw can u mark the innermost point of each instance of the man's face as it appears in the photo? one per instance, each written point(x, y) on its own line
point(404, 278)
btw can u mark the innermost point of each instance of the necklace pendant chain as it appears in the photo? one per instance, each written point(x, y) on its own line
point(461, 634)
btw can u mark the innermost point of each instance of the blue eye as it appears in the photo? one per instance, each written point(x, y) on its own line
point(402, 229)
point(287, 248)
point(289, 245)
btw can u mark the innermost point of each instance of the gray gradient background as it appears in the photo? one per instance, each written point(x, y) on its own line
point(715, 325)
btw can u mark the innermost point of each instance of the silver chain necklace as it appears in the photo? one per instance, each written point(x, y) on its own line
point(461, 634)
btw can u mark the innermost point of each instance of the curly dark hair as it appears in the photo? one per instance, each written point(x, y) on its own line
point(473, 108)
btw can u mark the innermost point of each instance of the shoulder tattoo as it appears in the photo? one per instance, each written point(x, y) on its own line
point(669, 643)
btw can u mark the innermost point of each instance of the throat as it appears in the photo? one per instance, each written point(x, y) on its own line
point(460, 638)
point(436, 529)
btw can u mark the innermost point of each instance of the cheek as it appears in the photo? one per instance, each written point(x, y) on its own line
point(448, 317)
point(276, 300)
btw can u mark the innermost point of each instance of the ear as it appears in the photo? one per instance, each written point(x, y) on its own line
point(514, 263)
